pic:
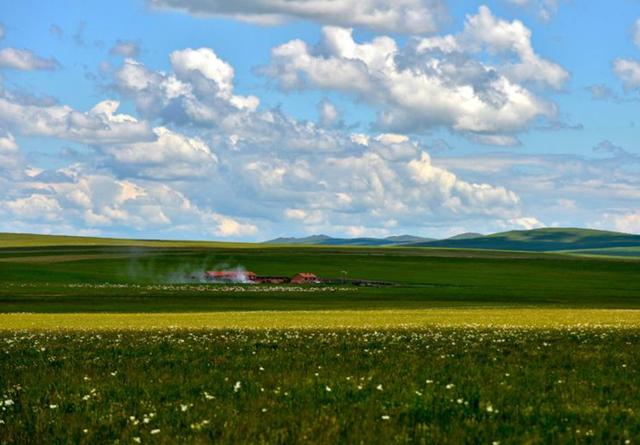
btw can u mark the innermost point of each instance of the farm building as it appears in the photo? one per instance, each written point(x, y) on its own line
point(304, 278)
point(230, 276)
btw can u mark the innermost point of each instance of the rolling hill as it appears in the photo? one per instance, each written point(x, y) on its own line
point(541, 240)
point(324, 240)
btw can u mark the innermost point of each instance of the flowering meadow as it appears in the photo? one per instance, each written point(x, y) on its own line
point(433, 385)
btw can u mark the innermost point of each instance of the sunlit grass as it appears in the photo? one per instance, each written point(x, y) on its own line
point(371, 319)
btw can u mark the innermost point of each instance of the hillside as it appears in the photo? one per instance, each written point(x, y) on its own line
point(324, 240)
point(541, 240)
point(8, 240)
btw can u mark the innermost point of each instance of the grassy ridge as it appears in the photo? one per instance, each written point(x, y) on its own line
point(8, 240)
point(543, 240)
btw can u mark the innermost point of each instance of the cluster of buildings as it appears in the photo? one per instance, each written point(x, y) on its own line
point(245, 276)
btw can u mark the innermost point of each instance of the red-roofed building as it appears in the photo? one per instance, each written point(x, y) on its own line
point(230, 276)
point(304, 278)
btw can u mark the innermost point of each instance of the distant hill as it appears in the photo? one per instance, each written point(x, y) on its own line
point(324, 240)
point(540, 240)
point(466, 235)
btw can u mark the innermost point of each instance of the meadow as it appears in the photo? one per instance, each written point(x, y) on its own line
point(111, 344)
point(440, 385)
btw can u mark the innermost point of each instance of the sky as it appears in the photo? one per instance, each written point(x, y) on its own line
point(252, 119)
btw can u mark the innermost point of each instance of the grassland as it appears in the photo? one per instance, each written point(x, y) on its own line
point(440, 385)
point(44, 279)
point(108, 344)
point(534, 318)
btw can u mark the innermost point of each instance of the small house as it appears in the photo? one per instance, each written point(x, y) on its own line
point(304, 278)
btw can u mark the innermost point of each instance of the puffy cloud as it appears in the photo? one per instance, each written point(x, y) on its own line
point(328, 113)
point(25, 60)
point(628, 71)
point(101, 124)
point(500, 36)
point(629, 222)
point(564, 190)
point(200, 90)
point(10, 157)
point(170, 156)
point(268, 168)
point(433, 81)
point(404, 16)
point(125, 48)
point(77, 197)
point(35, 207)
point(390, 178)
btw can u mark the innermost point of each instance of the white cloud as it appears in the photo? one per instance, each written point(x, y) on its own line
point(11, 160)
point(268, 169)
point(501, 36)
point(35, 207)
point(404, 16)
point(99, 125)
point(434, 82)
point(629, 222)
point(25, 60)
point(81, 198)
point(125, 48)
point(636, 33)
point(329, 115)
point(368, 188)
point(628, 71)
point(199, 91)
point(170, 156)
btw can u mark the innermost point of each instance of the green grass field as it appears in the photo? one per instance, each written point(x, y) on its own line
point(103, 342)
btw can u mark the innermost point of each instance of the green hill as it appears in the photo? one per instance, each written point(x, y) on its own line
point(324, 240)
point(8, 240)
point(542, 240)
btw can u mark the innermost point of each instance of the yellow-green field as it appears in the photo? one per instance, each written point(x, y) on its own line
point(349, 319)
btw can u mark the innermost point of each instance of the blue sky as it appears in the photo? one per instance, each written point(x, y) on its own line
point(255, 119)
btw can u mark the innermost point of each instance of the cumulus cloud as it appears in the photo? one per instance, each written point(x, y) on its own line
point(628, 71)
point(83, 198)
point(433, 81)
point(404, 16)
point(170, 156)
point(200, 90)
point(25, 60)
point(628, 222)
point(101, 124)
point(10, 156)
point(268, 169)
point(391, 178)
point(125, 48)
point(329, 115)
